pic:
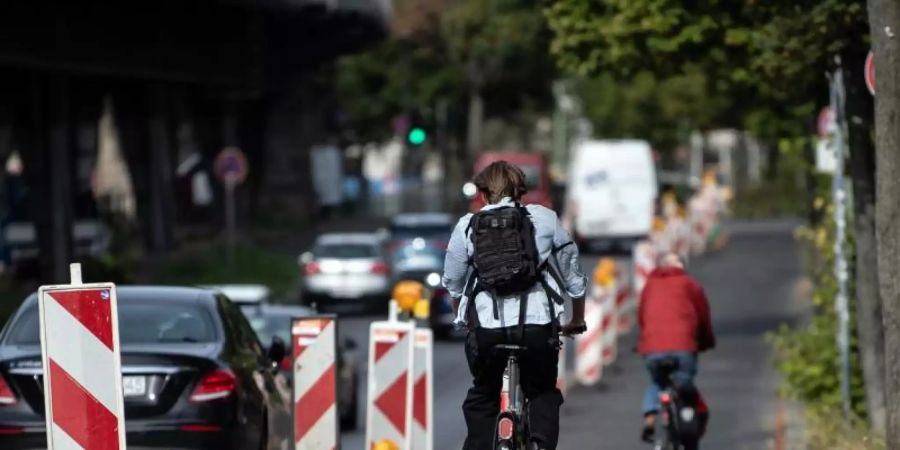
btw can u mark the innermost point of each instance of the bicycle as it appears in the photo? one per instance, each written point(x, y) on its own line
point(511, 429)
point(677, 423)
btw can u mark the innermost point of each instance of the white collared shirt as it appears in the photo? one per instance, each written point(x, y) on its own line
point(553, 243)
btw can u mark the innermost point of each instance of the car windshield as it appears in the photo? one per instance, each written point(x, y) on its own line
point(139, 323)
point(427, 231)
point(267, 326)
point(344, 251)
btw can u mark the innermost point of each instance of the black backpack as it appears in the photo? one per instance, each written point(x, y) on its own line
point(505, 257)
point(506, 263)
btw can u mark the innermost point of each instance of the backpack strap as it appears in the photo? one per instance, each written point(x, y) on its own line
point(471, 291)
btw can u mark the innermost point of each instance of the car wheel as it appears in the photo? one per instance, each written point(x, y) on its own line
point(349, 418)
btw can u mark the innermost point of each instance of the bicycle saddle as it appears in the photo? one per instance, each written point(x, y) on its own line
point(667, 366)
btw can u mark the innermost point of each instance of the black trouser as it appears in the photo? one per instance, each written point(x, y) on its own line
point(537, 377)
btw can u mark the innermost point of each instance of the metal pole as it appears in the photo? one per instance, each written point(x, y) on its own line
point(230, 223)
point(840, 258)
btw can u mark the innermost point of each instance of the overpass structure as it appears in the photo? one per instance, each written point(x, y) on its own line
point(183, 79)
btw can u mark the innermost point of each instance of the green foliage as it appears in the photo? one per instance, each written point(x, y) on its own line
point(207, 265)
point(766, 60)
point(496, 47)
point(781, 195)
point(808, 357)
point(826, 428)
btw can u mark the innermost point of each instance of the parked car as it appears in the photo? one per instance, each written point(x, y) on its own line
point(270, 320)
point(533, 165)
point(346, 270)
point(197, 377)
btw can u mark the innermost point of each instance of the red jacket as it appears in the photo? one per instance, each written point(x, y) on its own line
point(673, 314)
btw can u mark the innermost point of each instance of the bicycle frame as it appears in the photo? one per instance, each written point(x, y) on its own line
point(510, 432)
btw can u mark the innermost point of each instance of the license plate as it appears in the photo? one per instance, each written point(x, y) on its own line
point(134, 386)
point(346, 293)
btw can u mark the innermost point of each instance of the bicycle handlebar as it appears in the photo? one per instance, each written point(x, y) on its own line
point(574, 331)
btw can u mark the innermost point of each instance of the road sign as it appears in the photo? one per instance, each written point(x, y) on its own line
point(231, 166)
point(870, 72)
point(315, 382)
point(79, 332)
point(826, 122)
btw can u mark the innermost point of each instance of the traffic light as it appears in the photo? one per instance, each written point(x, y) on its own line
point(416, 136)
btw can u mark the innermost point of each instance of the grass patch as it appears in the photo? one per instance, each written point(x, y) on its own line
point(825, 428)
point(208, 264)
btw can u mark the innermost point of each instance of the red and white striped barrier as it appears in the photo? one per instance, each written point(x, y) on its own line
point(390, 389)
point(644, 260)
point(423, 391)
point(625, 298)
point(609, 338)
point(589, 345)
point(79, 331)
point(315, 382)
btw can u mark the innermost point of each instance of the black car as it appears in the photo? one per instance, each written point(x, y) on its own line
point(194, 372)
point(273, 322)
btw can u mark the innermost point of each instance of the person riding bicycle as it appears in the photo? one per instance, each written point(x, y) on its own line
point(675, 324)
point(494, 315)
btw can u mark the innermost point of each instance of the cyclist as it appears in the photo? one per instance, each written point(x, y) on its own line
point(528, 318)
point(674, 321)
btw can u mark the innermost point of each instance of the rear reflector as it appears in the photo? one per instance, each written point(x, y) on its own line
point(214, 385)
point(505, 428)
point(313, 268)
point(665, 398)
point(199, 428)
point(380, 268)
point(7, 397)
point(285, 363)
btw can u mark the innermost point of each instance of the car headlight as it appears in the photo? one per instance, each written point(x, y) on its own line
point(469, 190)
point(433, 279)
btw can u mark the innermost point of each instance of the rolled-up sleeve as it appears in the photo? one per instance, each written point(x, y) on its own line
point(566, 253)
point(456, 263)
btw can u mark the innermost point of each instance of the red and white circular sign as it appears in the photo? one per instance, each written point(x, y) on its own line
point(870, 72)
point(231, 166)
point(826, 123)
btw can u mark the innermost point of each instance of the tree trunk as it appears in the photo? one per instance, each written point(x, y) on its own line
point(870, 330)
point(476, 119)
point(884, 20)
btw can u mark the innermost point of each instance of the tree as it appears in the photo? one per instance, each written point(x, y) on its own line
point(768, 59)
point(498, 44)
point(884, 20)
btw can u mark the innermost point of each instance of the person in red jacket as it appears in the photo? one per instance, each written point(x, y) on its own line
point(674, 321)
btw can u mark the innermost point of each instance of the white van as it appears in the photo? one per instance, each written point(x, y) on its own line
point(612, 191)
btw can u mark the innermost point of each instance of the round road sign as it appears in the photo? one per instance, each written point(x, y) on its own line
point(870, 72)
point(826, 123)
point(231, 166)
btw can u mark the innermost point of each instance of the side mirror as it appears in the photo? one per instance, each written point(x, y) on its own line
point(469, 190)
point(277, 350)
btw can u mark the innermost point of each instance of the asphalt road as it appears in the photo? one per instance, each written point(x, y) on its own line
point(751, 286)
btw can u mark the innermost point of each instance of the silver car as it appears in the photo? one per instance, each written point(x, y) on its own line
point(346, 269)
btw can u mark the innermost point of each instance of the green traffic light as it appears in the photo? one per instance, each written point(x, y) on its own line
point(416, 136)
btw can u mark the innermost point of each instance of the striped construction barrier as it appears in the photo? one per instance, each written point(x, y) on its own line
point(423, 391)
point(79, 333)
point(625, 298)
point(644, 260)
point(609, 338)
point(389, 408)
point(589, 345)
point(315, 382)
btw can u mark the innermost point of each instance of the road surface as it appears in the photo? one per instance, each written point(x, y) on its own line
point(751, 285)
